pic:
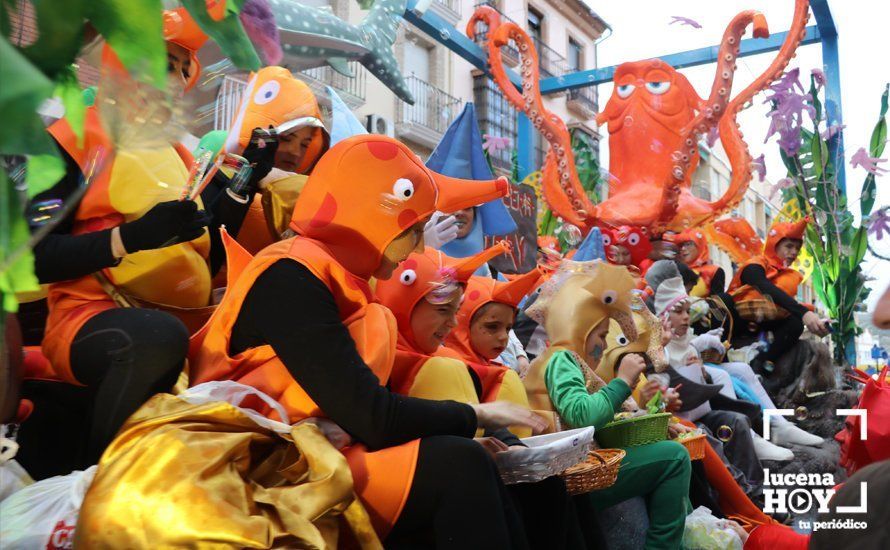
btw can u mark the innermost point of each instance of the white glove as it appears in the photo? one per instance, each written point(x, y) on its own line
point(707, 341)
point(440, 230)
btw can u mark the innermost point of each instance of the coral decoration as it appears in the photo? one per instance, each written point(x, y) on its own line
point(652, 104)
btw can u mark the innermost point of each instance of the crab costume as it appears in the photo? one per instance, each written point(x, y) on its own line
point(363, 196)
point(126, 184)
point(702, 263)
point(634, 239)
point(275, 98)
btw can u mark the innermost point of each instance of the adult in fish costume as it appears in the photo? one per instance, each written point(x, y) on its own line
point(302, 325)
point(274, 99)
point(130, 242)
point(768, 277)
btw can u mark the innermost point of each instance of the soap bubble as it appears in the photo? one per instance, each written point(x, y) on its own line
point(724, 433)
point(801, 413)
point(628, 120)
point(572, 234)
point(444, 34)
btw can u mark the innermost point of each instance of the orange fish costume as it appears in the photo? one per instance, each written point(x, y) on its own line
point(126, 185)
point(362, 196)
point(737, 237)
point(701, 264)
point(274, 97)
point(498, 383)
point(416, 372)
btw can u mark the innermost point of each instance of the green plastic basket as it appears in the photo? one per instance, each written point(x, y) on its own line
point(632, 432)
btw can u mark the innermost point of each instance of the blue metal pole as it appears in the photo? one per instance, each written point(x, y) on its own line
point(525, 150)
point(680, 60)
point(831, 68)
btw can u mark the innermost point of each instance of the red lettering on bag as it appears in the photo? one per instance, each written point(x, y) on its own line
point(62, 537)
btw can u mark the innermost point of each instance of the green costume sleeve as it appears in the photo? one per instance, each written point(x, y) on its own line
point(568, 393)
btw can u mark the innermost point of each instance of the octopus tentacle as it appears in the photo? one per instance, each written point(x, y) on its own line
point(730, 133)
point(562, 186)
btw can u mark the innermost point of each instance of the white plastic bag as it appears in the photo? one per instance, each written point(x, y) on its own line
point(44, 515)
point(706, 532)
point(12, 476)
point(234, 393)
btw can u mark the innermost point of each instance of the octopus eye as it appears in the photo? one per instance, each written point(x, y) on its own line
point(408, 277)
point(607, 240)
point(267, 92)
point(609, 297)
point(633, 239)
point(621, 340)
point(403, 189)
point(658, 88)
point(625, 90)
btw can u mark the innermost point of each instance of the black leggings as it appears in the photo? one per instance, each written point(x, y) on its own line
point(457, 500)
point(125, 356)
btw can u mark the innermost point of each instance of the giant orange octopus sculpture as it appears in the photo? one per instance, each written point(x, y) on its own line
point(654, 118)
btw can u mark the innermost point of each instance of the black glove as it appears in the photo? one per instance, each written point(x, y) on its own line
point(262, 159)
point(166, 224)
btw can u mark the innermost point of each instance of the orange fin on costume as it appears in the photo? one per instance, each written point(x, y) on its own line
point(737, 238)
point(237, 259)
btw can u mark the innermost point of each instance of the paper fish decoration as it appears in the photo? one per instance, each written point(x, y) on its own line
point(312, 37)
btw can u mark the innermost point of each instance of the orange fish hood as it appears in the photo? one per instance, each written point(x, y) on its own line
point(421, 274)
point(697, 237)
point(273, 96)
point(481, 291)
point(368, 190)
point(779, 231)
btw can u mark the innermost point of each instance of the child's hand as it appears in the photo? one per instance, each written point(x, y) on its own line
point(648, 390)
point(333, 432)
point(666, 331)
point(740, 531)
point(672, 401)
point(675, 429)
point(630, 369)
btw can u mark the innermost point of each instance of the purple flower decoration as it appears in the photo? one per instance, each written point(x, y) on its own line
point(832, 131)
point(879, 223)
point(493, 144)
point(819, 77)
point(713, 136)
point(685, 21)
point(758, 166)
point(784, 183)
point(861, 159)
point(789, 103)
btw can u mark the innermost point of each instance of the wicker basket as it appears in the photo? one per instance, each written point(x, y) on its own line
point(695, 446)
point(712, 356)
point(597, 472)
point(631, 432)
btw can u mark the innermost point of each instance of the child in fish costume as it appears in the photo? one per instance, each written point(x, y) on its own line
point(575, 306)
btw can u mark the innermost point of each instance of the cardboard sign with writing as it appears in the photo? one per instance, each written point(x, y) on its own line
point(522, 203)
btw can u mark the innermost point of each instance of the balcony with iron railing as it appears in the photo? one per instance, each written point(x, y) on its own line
point(449, 10)
point(550, 63)
point(510, 52)
point(433, 111)
point(350, 89)
point(583, 101)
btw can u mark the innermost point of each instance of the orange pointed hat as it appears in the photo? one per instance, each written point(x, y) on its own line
point(274, 97)
point(481, 291)
point(425, 273)
point(180, 29)
point(368, 190)
point(779, 231)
